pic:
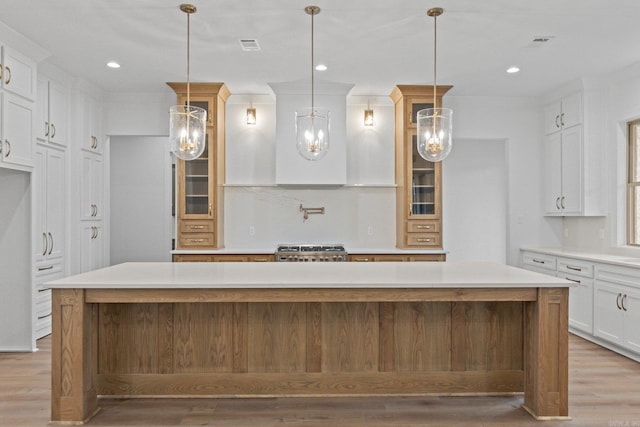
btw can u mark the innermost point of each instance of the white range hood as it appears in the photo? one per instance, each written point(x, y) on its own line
point(293, 169)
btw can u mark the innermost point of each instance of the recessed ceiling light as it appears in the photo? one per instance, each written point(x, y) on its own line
point(512, 70)
point(113, 64)
point(321, 67)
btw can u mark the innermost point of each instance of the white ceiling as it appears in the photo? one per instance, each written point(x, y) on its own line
point(372, 43)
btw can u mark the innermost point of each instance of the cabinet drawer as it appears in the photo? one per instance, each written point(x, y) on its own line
point(546, 262)
point(196, 239)
point(423, 226)
point(575, 267)
point(192, 258)
point(196, 226)
point(261, 258)
point(423, 239)
point(43, 295)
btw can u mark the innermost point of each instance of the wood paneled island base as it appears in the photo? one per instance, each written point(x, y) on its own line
point(301, 341)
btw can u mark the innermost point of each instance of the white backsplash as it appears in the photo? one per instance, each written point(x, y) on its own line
point(362, 217)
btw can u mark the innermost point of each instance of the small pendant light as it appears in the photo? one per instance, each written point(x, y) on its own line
point(312, 124)
point(187, 123)
point(434, 124)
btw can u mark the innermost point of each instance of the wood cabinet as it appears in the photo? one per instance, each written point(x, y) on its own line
point(418, 181)
point(199, 182)
point(51, 112)
point(573, 152)
point(396, 257)
point(224, 258)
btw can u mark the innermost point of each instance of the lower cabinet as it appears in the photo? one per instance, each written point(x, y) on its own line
point(92, 246)
point(224, 258)
point(396, 257)
point(604, 307)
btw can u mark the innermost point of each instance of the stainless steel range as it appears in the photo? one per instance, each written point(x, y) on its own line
point(311, 253)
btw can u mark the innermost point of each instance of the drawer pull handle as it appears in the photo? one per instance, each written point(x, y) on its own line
point(573, 280)
point(6, 141)
point(362, 259)
point(424, 240)
point(196, 240)
point(8, 80)
point(624, 298)
point(618, 301)
point(424, 227)
point(197, 227)
point(46, 128)
point(558, 203)
point(53, 130)
point(538, 261)
point(45, 316)
point(574, 268)
point(45, 269)
point(260, 259)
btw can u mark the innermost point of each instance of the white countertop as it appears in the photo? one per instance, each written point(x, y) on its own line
point(304, 275)
point(626, 261)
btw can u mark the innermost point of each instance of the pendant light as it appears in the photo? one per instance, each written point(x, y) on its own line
point(312, 124)
point(187, 123)
point(434, 124)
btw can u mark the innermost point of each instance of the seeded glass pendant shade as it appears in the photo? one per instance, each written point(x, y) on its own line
point(434, 124)
point(312, 124)
point(187, 123)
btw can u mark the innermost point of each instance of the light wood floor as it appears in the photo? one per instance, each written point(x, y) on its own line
point(604, 390)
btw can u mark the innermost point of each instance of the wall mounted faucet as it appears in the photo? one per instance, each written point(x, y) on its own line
point(310, 211)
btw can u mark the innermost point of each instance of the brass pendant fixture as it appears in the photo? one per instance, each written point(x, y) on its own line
point(187, 123)
point(434, 124)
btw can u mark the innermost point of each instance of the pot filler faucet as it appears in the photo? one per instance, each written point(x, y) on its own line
point(310, 211)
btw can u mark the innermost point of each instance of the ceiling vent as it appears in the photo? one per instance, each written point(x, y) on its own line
point(539, 41)
point(249, 45)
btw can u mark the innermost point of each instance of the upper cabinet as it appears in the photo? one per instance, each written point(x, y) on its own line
point(419, 182)
point(17, 91)
point(51, 117)
point(92, 125)
point(573, 153)
point(199, 182)
point(563, 114)
point(18, 73)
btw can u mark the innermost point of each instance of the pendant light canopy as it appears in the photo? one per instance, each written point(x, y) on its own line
point(434, 124)
point(187, 123)
point(312, 124)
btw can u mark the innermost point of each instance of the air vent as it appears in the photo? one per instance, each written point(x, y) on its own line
point(249, 45)
point(540, 41)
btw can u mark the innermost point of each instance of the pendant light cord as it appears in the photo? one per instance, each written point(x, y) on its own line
point(312, 69)
point(188, 55)
point(435, 36)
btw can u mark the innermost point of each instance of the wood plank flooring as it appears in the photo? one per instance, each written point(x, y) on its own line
point(604, 390)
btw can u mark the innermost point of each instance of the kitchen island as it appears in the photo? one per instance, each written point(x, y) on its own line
point(299, 329)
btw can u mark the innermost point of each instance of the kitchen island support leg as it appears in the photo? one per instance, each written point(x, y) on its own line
point(546, 389)
point(73, 360)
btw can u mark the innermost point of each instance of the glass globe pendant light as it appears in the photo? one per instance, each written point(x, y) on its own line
point(434, 124)
point(312, 124)
point(187, 123)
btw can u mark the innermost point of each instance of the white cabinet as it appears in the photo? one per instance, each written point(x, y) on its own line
point(580, 296)
point(92, 246)
point(573, 155)
point(563, 113)
point(16, 132)
point(17, 73)
point(540, 263)
point(91, 184)
point(92, 125)
point(617, 306)
point(49, 203)
point(51, 117)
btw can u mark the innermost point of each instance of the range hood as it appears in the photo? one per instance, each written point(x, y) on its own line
point(293, 169)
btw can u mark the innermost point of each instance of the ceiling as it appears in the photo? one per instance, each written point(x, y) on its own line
point(374, 44)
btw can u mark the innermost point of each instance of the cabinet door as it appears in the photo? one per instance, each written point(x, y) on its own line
point(571, 114)
point(608, 317)
point(631, 309)
point(580, 303)
point(42, 111)
point(572, 179)
point(55, 202)
point(552, 174)
point(19, 74)
point(91, 244)
point(17, 134)
point(195, 187)
point(424, 187)
point(57, 114)
point(39, 179)
point(91, 186)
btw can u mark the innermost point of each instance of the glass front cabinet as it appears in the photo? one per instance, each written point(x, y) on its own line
point(199, 195)
point(418, 181)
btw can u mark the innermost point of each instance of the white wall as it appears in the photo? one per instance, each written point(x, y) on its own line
point(253, 204)
point(140, 182)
